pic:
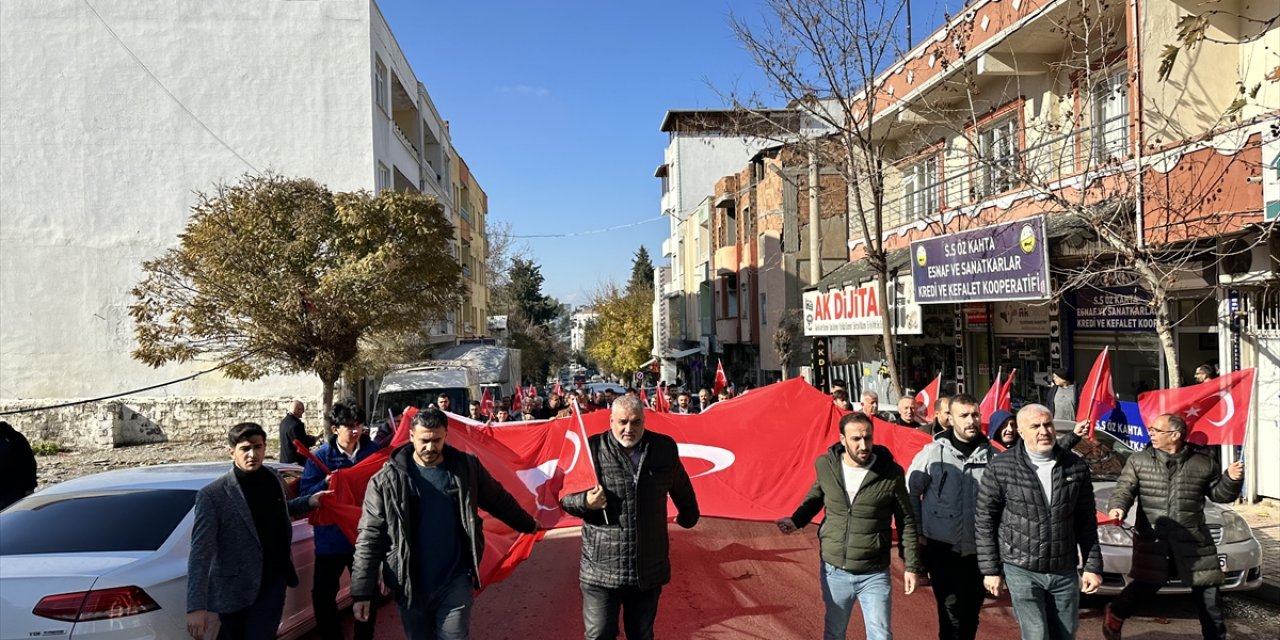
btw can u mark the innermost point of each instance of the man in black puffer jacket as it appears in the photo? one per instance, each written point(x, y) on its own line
point(1035, 509)
point(1170, 480)
point(624, 523)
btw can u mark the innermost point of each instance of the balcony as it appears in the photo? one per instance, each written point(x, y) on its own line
point(972, 183)
point(726, 260)
point(668, 248)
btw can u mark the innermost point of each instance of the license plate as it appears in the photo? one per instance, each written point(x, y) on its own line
point(1222, 562)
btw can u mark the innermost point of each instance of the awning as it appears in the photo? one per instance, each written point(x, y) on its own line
point(853, 273)
point(682, 354)
point(648, 362)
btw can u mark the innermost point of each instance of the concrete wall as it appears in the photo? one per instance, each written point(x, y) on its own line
point(100, 163)
point(142, 420)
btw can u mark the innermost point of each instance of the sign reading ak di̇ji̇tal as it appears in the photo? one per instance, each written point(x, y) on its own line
point(1008, 261)
point(855, 311)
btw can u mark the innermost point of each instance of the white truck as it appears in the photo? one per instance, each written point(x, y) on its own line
point(498, 367)
point(421, 383)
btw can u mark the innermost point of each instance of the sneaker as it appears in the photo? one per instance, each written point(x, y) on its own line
point(1111, 624)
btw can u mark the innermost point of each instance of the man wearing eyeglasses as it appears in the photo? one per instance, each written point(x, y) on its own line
point(1169, 481)
point(348, 444)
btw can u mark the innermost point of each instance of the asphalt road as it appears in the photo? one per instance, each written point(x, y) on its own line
point(736, 580)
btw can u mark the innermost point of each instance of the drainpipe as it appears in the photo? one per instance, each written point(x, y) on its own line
point(815, 248)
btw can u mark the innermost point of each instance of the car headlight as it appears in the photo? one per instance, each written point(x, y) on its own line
point(1234, 528)
point(1114, 536)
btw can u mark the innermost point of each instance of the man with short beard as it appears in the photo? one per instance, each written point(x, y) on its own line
point(862, 490)
point(943, 482)
point(625, 560)
point(1035, 511)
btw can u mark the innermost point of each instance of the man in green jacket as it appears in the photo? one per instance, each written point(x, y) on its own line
point(861, 487)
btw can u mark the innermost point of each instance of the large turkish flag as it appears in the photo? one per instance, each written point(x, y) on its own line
point(1216, 410)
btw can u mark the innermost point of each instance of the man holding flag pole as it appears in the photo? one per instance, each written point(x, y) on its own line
point(625, 558)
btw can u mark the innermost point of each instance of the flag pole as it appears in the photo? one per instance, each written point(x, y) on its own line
point(1093, 395)
point(591, 459)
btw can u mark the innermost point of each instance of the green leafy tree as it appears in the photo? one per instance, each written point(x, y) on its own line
point(524, 293)
point(281, 275)
point(621, 337)
point(641, 270)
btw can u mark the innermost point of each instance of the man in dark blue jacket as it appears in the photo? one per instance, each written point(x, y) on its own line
point(348, 444)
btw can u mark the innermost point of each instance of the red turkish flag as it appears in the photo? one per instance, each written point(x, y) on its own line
point(991, 401)
point(928, 396)
point(644, 398)
point(1099, 398)
point(1216, 411)
point(533, 391)
point(721, 381)
point(517, 399)
point(557, 391)
point(660, 402)
point(486, 404)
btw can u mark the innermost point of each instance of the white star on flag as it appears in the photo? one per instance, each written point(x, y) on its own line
point(1193, 412)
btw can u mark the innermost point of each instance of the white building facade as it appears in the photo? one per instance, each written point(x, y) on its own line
point(698, 153)
point(114, 115)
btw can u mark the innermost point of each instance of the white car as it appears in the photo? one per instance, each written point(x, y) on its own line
point(105, 556)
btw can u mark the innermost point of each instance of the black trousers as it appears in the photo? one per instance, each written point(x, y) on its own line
point(327, 574)
point(1208, 602)
point(258, 621)
point(600, 611)
point(957, 588)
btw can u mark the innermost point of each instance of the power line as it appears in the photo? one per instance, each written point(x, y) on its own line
point(166, 90)
point(588, 233)
point(121, 393)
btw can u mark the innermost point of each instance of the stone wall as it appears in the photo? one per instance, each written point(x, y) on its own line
point(128, 421)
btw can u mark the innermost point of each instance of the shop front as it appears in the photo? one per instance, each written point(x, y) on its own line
point(852, 315)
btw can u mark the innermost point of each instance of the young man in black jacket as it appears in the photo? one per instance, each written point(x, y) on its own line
point(862, 490)
point(624, 523)
point(1035, 509)
point(420, 527)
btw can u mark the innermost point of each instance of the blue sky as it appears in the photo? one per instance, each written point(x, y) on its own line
point(556, 106)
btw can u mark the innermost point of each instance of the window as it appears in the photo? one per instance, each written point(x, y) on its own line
point(920, 188)
point(379, 84)
point(729, 288)
point(998, 152)
point(123, 520)
point(764, 316)
point(1110, 98)
point(384, 178)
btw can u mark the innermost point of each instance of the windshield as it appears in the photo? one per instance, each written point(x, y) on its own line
point(398, 401)
point(1105, 455)
point(119, 520)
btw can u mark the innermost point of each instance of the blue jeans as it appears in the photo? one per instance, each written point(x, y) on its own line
point(1047, 605)
point(839, 591)
point(444, 615)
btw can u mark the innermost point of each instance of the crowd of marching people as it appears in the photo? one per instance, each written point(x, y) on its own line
point(996, 501)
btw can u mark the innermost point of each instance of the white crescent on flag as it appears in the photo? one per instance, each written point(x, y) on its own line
point(719, 458)
point(1230, 412)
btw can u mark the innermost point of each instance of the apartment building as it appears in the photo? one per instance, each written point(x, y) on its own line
point(473, 250)
point(1040, 155)
point(702, 146)
point(115, 114)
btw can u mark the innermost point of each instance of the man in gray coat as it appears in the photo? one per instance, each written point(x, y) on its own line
point(241, 558)
point(1170, 480)
point(943, 482)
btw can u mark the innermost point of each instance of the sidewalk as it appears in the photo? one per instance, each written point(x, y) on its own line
point(1264, 518)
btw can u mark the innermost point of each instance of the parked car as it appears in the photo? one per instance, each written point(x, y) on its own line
point(1239, 553)
point(105, 556)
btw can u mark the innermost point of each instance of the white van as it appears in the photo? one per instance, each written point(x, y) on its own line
point(418, 385)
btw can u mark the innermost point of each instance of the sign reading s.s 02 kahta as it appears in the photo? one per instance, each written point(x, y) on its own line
point(1008, 261)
